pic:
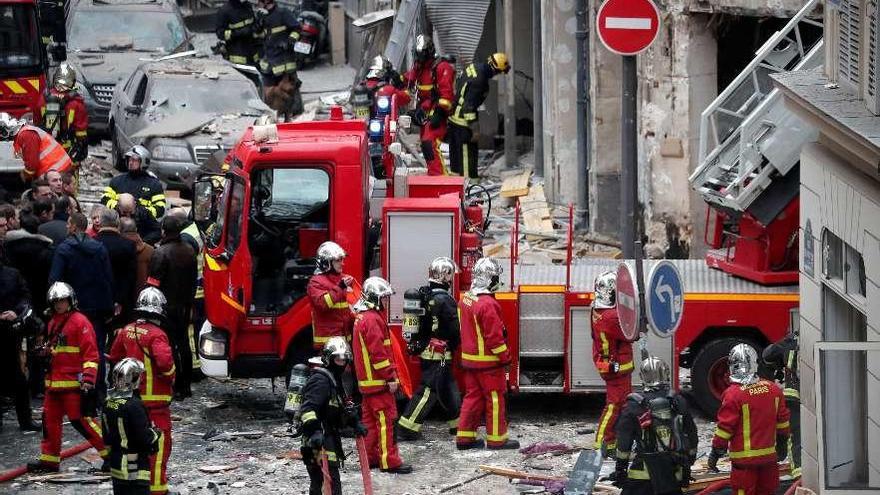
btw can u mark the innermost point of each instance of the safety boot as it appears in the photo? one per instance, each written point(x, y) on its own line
point(508, 445)
point(478, 444)
point(407, 435)
point(402, 469)
point(39, 466)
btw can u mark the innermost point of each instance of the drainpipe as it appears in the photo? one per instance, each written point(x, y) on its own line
point(510, 157)
point(582, 35)
point(538, 89)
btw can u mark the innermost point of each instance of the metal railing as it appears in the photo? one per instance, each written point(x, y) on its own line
point(737, 161)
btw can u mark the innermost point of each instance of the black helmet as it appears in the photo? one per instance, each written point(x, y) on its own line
point(424, 48)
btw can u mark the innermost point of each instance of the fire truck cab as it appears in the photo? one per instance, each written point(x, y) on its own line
point(22, 60)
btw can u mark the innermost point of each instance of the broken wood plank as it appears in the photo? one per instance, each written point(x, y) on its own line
point(464, 482)
point(516, 186)
point(536, 213)
point(81, 478)
point(514, 474)
point(217, 468)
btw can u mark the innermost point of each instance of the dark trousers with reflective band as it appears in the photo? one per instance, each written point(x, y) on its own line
point(485, 397)
point(121, 487)
point(56, 405)
point(616, 390)
point(754, 480)
point(462, 152)
point(438, 385)
point(161, 418)
point(313, 462)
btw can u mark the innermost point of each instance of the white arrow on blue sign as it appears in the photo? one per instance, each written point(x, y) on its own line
point(665, 304)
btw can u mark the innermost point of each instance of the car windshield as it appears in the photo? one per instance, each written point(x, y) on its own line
point(201, 95)
point(115, 30)
point(18, 36)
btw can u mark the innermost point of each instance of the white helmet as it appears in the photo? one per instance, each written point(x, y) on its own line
point(487, 276)
point(9, 126)
point(126, 377)
point(334, 348)
point(65, 78)
point(743, 363)
point(151, 301)
point(442, 270)
point(655, 373)
point(605, 291)
point(328, 252)
point(372, 293)
point(59, 291)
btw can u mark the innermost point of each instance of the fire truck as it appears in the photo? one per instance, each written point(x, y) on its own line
point(22, 60)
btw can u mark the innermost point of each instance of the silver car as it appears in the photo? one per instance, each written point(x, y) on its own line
point(183, 110)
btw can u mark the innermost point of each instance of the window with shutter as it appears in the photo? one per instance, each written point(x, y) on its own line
point(872, 34)
point(848, 53)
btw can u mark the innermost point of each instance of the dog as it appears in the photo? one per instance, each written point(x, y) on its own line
point(285, 97)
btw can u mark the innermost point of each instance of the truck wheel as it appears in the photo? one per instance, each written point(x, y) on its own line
point(710, 375)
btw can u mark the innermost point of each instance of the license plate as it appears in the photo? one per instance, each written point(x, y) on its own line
point(302, 47)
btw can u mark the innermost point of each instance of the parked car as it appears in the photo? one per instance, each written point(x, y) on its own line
point(183, 110)
point(107, 40)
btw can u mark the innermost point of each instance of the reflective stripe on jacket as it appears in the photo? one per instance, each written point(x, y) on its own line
point(371, 347)
point(331, 315)
point(52, 156)
point(149, 344)
point(609, 344)
point(483, 341)
point(74, 351)
point(750, 418)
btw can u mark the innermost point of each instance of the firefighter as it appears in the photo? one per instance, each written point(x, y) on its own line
point(463, 129)
point(236, 31)
point(613, 357)
point(128, 432)
point(279, 28)
point(52, 28)
point(73, 369)
point(783, 356)
point(324, 412)
point(40, 151)
point(383, 80)
point(145, 340)
point(328, 291)
point(656, 436)
point(438, 339)
point(752, 421)
point(434, 79)
point(377, 376)
point(484, 356)
point(139, 182)
point(64, 114)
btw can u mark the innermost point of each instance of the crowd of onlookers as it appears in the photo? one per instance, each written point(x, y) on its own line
point(107, 256)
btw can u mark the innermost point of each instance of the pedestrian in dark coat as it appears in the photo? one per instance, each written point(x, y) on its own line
point(122, 261)
point(56, 229)
point(14, 302)
point(31, 254)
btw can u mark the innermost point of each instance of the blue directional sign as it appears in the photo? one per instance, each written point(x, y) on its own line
point(665, 299)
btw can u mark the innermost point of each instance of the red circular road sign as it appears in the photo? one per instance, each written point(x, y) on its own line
point(628, 310)
point(627, 27)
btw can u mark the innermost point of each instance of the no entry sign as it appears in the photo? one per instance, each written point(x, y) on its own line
point(627, 27)
point(628, 310)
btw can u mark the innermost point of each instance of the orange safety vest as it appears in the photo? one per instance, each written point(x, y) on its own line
point(52, 155)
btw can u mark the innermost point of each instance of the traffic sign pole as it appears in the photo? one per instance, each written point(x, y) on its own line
point(629, 182)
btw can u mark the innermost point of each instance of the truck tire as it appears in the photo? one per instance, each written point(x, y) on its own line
point(709, 373)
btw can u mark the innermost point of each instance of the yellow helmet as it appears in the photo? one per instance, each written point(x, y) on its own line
point(498, 61)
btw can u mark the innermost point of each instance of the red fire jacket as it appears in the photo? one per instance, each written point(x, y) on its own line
point(40, 152)
point(749, 419)
point(483, 336)
point(331, 314)
point(70, 122)
point(371, 347)
point(74, 351)
point(435, 84)
point(609, 344)
point(147, 343)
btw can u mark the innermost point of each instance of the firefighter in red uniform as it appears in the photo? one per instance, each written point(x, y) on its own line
point(484, 356)
point(383, 80)
point(613, 357)
point(434, 78)
point(752, 422)
point(328, 290)
point(377, 376)
point(145, 341)
point(36, 147)
point(64, 114)
point(73, 369)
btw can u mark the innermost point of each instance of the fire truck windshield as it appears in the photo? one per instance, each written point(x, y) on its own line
point(19, 38)
point(291, 193)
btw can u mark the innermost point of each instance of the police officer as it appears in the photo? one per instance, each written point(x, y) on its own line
point(752, 421)
point(324, 412)
point(128, 432)
point(280, 30)
point(613, 357)
point(783, 356)
point(236, 29)
point(473, 87)
point(437, 340)
point(328, 292)
point(484, 356)
point(434, 79)
point(139, 182)
point(656, 436)
point(64, 114)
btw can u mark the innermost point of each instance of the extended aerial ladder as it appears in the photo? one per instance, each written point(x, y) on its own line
point(749, 160)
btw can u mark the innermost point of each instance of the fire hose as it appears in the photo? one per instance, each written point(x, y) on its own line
point(721, 484)
point(16, 472)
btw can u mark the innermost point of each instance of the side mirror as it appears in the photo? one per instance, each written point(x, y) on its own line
point(204, 207)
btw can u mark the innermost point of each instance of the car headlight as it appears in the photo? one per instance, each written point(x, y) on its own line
point(171, 153)
point(212, 345)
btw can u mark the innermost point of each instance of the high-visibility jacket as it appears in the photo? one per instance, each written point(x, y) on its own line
point(146, 188)
point(483, 336)
point(236, 27)
point(49, 156)
point(74, 350)
point(435, 84)
point(609, 344)
point(148, 343)
point(473, 87)
point(281, 30)
point(371, 347)
point(331, 314)
point(750, 418)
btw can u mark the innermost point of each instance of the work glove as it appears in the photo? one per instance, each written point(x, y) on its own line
point(437, 117)
point(316, 441)
point(418, 117)
point(712, 463)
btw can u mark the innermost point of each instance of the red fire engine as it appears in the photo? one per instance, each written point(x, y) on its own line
point(295, 185)
point(22, 60)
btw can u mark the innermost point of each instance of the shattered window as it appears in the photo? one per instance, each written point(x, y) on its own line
point(114, 30)
point(200, 95)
